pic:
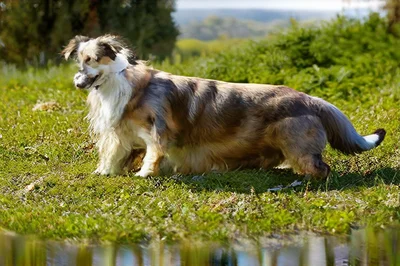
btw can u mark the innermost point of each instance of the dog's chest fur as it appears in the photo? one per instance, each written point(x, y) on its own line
point(107, 106)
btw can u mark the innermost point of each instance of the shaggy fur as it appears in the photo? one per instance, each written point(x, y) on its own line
point(199, 125)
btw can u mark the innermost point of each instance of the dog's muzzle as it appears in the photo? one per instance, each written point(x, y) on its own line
point(83, 81)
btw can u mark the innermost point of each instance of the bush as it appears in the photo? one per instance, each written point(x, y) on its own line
point(342, 58)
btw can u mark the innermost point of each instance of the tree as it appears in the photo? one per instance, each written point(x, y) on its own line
point(393, 12)
point(392, 7)
point(147, 24)
point(34, 31)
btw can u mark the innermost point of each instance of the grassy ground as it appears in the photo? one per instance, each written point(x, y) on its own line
point(46, 188)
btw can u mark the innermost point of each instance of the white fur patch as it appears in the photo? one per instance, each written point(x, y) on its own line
point(372, 139)
point(152, 154)
point(79, 78)
point(119, 64)
point(82, 46)
point(90, 71)
point(107, 104)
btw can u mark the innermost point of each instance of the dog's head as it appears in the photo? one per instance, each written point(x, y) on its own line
point(97, 58)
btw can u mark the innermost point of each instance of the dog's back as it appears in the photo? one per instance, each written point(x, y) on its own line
point(214, 125)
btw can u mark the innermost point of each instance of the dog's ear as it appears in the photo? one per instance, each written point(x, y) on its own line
point(108, 50)
point(72, 46)
point(112, 45)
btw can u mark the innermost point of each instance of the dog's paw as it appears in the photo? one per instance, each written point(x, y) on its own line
point(97, 172)
point(100, 171)
point(108, 171)
point(144, 173)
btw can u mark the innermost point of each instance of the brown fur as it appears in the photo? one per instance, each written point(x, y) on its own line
point(198, 125)
point(256, 126)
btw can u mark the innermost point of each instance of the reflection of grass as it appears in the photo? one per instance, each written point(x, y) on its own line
point(47, 189)
point(362, 247)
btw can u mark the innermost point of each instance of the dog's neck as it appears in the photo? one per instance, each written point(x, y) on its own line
point(107, 103)
point(120, 64)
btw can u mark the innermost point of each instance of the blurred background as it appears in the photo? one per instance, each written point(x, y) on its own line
point(32, 32)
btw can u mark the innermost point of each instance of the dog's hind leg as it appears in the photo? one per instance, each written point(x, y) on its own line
point(302, 141)
point(310, 165)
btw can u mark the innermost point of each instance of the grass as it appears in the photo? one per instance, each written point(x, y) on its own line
point(47, 189)
point(46, 157)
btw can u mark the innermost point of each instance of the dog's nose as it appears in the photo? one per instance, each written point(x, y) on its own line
point(80, 85)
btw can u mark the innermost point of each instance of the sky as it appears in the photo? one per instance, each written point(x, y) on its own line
point(280, 4)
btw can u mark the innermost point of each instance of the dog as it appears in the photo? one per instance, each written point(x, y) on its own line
point(195, 125)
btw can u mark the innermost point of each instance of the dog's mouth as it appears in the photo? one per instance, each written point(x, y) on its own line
point(94, 80)
point(83, 81)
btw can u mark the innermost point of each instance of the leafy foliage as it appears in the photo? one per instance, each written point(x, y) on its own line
point(341, 59)
point(33, 32)
point(187, 49)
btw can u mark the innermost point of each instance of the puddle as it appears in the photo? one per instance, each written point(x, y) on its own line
point(361, 247)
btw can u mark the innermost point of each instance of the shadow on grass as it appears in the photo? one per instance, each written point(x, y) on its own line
point(261, 181)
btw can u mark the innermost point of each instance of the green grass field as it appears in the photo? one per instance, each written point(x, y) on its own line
point(46, 159)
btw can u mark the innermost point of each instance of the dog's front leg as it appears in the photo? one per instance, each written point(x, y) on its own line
point(112, 154)
point(154, 153)
point(151, 161)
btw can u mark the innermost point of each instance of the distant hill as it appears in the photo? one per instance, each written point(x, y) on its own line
point(211, 24)
point(185, 16)
point(213, 27)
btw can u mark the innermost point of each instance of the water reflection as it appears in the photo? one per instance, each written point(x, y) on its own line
point(362, 247)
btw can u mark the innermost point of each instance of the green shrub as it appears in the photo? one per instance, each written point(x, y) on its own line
point(342, 58)
point(187, 49)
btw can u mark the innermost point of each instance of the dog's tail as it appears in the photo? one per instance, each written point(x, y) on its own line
point(341, 133)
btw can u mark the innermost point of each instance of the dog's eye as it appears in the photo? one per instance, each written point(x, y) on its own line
point(88, 59)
